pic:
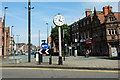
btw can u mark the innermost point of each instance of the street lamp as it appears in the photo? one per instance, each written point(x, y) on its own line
point(39, 39)
point(64, 42)
point(4, 30)
point(18, 42)
point(47, 32)
point(29, 29)
point(11, 39)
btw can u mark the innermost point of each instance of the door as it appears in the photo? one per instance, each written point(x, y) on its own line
point(114, 51)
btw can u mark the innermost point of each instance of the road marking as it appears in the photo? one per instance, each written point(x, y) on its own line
point(112, 71)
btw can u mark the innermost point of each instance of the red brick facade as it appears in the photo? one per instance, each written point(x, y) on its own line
point(95, 27)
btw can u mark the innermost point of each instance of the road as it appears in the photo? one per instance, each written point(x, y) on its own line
point(56, 73)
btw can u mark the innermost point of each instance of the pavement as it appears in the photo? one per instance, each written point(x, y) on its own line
point(79, 62)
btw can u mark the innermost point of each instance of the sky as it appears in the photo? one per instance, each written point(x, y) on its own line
point(44, 12)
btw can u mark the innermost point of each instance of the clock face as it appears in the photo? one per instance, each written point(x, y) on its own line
point(59, 20)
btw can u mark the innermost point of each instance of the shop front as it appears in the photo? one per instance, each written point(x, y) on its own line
point(88, 43)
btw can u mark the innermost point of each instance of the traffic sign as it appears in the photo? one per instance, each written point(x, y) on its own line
point(45, 51)
point(44, 45)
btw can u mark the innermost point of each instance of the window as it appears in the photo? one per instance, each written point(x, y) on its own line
point(77, 25)
point(78, 36)
point(81, 35)
point(81, 24)
point(119, 30)
point(87, 21)
point(109, 31)
point(115, 32)
point(111, 18)
point(84, 35)
point(75, 35)
point(72, 37)
point(112, 31)
point(88, 34)
point(74, 27)
point(84, 22)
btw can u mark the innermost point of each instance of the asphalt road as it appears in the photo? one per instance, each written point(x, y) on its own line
point(56, 73)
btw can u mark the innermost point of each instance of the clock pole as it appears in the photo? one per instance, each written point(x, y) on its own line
point(59, 21)
point(60, 55)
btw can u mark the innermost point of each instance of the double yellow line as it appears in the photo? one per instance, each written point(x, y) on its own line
point(54, 69)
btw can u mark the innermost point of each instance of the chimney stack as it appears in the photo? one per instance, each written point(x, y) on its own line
point(88, 12)
point(107, 9)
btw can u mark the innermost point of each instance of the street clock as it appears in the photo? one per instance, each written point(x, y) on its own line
point(59, 20)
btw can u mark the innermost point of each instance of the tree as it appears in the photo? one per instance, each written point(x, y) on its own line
point(54, 35)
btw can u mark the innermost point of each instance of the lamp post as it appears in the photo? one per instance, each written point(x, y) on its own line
point(4, 30)
point(47, 32)
point(39, 39)
point(18, 42)
point(11, 39)
point(29, 30)
point(64, 42)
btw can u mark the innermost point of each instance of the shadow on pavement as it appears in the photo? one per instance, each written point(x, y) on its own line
point(112, 58)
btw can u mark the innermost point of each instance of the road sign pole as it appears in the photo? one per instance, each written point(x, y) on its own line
point(50, 58)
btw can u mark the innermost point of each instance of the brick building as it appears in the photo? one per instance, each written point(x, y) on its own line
point(98, 32)
point(4, 38)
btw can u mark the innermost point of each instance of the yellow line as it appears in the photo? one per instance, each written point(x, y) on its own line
point(64, 69)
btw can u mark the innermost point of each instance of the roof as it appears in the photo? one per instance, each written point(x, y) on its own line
point(20, 43)
point(101, 16)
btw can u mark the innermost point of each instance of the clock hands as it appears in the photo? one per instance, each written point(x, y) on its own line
point(60, 20)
